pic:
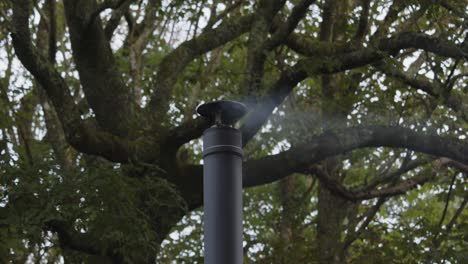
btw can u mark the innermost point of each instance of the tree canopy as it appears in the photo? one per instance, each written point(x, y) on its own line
point(355, 139)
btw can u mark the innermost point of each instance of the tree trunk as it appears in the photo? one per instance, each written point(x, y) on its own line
point(332, 210)
point(286, 224)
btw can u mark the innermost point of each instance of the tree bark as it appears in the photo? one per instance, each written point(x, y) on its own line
point(332, 209)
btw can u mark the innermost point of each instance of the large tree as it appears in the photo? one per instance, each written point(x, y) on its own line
point(355, 138)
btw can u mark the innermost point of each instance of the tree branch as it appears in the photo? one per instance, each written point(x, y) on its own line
point(256, 53)
point(412, 21)
point(447, 200)
point(81, 134)
point(440, 237)
point(425, 42)
point(397, 189)
point(363, 26)
point(329, 58)
point(265, 106)
point(454, 9)
point(331, 143)
point(297, 14)
point(176, 61)
point(187, 131)
point(299, 159)
point(99, 74)
point(254, 120)
point(288, 79)
point(433, 88)
point(311, 47)
point(107, 4)
point(411, 165)
point(138, 38)
point(114, 20)
point(332, 64)
point(369, 215)
point(51, 6)
point(457, 214)
point(392, 15)
point(70, 239)
point(215, 18)
point(455, 164)
point(391, 45)
point(148, 24)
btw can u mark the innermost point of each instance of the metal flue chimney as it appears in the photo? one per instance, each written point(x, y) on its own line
point(222, 183)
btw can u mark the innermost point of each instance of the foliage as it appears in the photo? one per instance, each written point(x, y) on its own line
point(66, 195)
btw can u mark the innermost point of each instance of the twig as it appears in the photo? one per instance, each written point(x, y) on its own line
point(214, 19)
point(369, 215)
point(103, 6)
point(447, 200)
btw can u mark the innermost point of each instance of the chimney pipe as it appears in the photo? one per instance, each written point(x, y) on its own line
point(222, 183)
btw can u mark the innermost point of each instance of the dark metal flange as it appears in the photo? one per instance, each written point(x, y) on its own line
point(223, 112)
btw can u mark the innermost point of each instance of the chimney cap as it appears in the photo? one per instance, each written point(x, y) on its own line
point(223, 112)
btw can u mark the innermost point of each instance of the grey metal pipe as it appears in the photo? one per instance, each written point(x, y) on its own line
point(222, 186)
